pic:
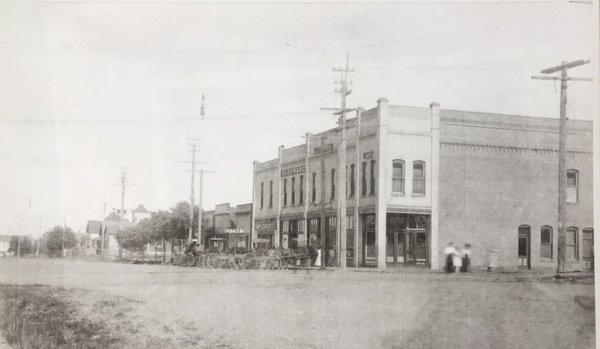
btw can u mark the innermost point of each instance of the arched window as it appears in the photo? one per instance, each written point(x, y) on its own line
point(546, 249)
point(314, 187)
point(572, 186)
point(262, 192)
point(352, 181)
point(363, 179)
point(293, 191)
point(285, 192)
point(271, 194)
point(332, 183)
point(372, 177)
point(301, 191)
point(572, 244)
point(419, 177)
point(398, 176)
point(587, 244)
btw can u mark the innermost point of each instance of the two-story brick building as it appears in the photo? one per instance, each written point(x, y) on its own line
point(424, 177)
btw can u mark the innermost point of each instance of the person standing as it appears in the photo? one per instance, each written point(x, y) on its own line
point(466, 258)
point(449, 253)
point(457, 259)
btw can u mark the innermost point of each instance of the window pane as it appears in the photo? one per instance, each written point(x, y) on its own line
point(398, 169)
point(398, 185)
point(545, 251)
point(571, 194)
point(546, 236)
point(571, 237)
point(571, 179)
point(570, 253)
point(418, 171)
point(419, 186)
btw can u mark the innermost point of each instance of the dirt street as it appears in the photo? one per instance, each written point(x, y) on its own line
point(267, 309)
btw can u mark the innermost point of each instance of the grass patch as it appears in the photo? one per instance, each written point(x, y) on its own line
point(33, 316)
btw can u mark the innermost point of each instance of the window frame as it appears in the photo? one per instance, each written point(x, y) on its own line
point(332, 184)
point(293, 193)
point(372, 178)
point(576, 186)
point(423, 179)
point(262, 192)
point(301, 190)
point(363, 182)
point(314, 187)
point(575, 246)
point(285, 192)
point(550, 244)
point(399, 179)
point(352, 180)
point(270, 194)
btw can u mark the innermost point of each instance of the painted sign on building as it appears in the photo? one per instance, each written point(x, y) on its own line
point(293, 171)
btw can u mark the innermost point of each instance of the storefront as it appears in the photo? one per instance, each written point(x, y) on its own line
point(408, 239)
point(265, 231)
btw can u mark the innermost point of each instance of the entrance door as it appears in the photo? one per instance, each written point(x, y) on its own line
point(415, 246)
point(369, 251)
point(524, 248)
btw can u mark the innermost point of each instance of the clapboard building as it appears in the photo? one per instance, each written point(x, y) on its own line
point(424, 177)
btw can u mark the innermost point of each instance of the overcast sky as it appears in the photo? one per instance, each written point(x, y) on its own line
point(86, 88)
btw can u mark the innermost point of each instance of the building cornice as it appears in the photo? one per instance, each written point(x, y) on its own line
point(512, 149)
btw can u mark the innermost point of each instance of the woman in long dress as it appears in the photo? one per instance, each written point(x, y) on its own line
point(449, 252)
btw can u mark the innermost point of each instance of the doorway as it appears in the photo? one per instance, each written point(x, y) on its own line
point(524, 246)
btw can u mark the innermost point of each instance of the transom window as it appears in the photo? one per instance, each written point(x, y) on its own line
point(398, 176)
point(419, 177)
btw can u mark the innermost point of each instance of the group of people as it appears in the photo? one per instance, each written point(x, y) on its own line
point(457, 258)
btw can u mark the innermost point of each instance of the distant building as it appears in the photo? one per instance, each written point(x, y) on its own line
point(139, 213)
point(425, 177)
point(231, 226)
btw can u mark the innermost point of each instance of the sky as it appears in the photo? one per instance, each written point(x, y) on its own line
point(88, 88)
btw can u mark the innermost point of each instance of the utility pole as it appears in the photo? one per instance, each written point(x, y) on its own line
point(342, 223)
point(123, 183)
point(356, 195)
point(562, 152)
point(323, 226)
point(194, 149)
point(202, 172)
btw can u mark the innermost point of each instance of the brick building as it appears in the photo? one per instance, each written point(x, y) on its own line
point(424, 177)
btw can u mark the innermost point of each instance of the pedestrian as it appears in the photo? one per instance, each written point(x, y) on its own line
point(457, 259)
point(449, 252)
point(466, 258)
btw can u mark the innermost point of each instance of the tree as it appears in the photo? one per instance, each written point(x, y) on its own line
point(25, 243)
point(132, 238)
point(58, 237)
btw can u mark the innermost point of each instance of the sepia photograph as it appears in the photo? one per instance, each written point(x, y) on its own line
point(299, 174)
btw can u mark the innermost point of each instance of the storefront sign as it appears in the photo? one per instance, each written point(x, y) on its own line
point(292, 171)
point(235, 231)
point(266, 225)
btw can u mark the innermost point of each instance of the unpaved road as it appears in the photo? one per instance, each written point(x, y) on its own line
point(345, 309)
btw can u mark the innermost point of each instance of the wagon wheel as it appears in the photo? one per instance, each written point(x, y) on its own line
point(249, 262)
point(274, 263)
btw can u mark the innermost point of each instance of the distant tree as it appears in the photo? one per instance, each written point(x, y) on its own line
point(132, 239)
point(25, 243)
point(58, 237)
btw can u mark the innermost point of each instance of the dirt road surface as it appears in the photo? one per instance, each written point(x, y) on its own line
point(331, 309)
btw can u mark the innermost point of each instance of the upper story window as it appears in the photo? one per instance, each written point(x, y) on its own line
point(363, 175)
point(419, 177)
point(572, 244)
point(587, 244)
point(572, 186)
point(262, 192)
point(314, 187)
point(271, 194)
point(546, 242)
point(398, 176)
point(352, 180)
point(372, 177)
point(293, 190)
point(332, 183)
point(301, 198)
point(285, 192)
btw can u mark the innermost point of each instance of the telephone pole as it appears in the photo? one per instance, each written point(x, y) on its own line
point(202, 172)
point(342, 218)
point(123, 183)
point(323, 226)
point(193, 171)
point(562, 152)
